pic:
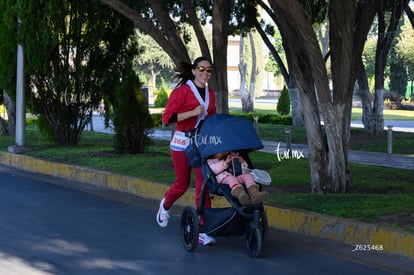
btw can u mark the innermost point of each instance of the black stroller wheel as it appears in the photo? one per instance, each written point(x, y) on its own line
point(264, 226)
point(254, 241)
point(189, 228)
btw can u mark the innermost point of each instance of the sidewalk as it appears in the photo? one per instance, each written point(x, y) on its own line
point(360, 157)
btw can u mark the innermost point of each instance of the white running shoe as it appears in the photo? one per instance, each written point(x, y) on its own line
point(162, 215)
point(205, 239)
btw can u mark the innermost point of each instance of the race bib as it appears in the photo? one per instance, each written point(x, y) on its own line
point(179, 141)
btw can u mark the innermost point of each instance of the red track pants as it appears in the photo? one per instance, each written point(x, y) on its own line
point(182, 181)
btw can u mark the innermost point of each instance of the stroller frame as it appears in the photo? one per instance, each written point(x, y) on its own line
point(236, 220)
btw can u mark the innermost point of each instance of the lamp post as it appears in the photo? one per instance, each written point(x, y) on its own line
point(20, 141)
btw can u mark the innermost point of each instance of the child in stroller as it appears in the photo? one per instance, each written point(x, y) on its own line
point(230, 168)
point(221, 133)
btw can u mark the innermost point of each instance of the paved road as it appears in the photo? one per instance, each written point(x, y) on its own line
point(47, 228)
point(397, 125)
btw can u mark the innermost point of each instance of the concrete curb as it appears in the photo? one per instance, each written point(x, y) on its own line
point(369, 236)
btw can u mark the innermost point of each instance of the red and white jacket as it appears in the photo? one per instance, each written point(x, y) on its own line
point(182, 99)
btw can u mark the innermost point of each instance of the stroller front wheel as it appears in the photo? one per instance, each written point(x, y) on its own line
point(189, 228)
point(254, 241)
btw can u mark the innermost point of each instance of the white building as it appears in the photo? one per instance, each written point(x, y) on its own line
point(233, 74)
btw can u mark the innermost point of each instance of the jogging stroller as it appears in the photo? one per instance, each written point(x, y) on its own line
point(221, 133)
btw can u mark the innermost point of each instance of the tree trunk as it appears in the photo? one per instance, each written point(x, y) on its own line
point(288, 76)
point(198, 29)
point(244, 95)
point(168, 39)
point(337, 116)
point(242, 69)
point(154, 80)
point(317, 142)
point(294, 95)
point(367, 117)
point(297, 115)
point(221, 16)
point(385, 38)
point(323, 34)
point(10, 105)
point(378, 109)
point(338, 138)
point(328, 145)
point(365, 95)
point(3, 127)
point(249, 105)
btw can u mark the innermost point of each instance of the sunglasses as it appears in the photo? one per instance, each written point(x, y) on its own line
point(202, 69)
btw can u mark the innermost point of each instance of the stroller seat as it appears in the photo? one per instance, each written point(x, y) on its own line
point(224, 133)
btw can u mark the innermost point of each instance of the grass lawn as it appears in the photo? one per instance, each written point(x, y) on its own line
point(388, 114)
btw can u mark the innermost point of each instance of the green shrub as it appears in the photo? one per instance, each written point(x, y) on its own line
point(267, 118)
point(132, 119)
point(45, 129)
point(283, 104)
point(161, 99)
point(157, 119)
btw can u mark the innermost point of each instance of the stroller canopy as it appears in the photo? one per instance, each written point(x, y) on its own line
point(223, 133)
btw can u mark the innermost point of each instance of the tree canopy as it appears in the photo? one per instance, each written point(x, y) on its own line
point(72, 49)
point(405, 49)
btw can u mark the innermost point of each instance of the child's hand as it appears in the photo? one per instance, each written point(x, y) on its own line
point(229, 158)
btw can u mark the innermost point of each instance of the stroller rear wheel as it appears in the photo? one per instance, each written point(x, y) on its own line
point(264, 226)
point(189, 228)
point(254, 240)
